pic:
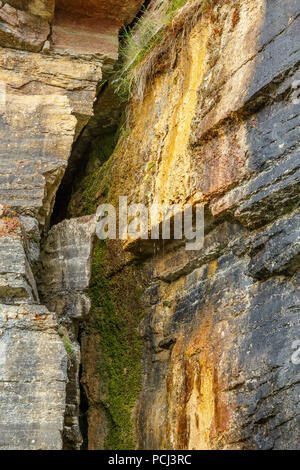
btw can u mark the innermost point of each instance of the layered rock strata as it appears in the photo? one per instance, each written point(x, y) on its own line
point(219, 125)
point(51, 62)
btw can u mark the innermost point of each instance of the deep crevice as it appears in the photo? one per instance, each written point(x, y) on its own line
point(79, 158)
point(81, 149)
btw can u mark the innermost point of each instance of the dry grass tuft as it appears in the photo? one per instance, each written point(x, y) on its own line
point(147, 47)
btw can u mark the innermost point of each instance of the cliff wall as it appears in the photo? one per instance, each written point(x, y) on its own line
point(149, 346)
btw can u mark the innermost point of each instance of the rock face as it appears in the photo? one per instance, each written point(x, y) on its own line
point(33, 360)
point(64, 276)
point(218, 125)
point(50, 67)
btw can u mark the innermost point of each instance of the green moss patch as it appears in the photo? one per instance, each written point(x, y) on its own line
point(115, 315)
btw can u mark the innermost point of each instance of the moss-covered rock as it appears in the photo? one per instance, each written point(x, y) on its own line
point(116, 312)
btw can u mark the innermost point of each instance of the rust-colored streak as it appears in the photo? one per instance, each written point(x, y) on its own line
point(117, 10)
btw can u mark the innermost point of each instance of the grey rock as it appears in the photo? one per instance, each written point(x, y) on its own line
point(32, 238)
point(266, 196)
point(276, 249)
point(63, 277)
point(275, 132)
point(65, 261)
point(17, 280)
point(33, 375)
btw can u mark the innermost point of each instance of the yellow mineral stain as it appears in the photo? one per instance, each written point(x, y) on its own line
point(212, 268)
point(171, 181)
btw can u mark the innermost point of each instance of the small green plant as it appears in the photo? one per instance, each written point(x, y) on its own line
point(133, 52)
point(125, 132)
point(68, 346)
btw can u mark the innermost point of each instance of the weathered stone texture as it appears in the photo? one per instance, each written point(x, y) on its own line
point(42, 97)
point(22, 30)
point(47, 99)
point(33, 367)
point(219, 125)
point(64, 267)
point(42, 8)
point(222, 359)
point(221, 336)
point(118, 11)
point(17, 281)
point(91, 28)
